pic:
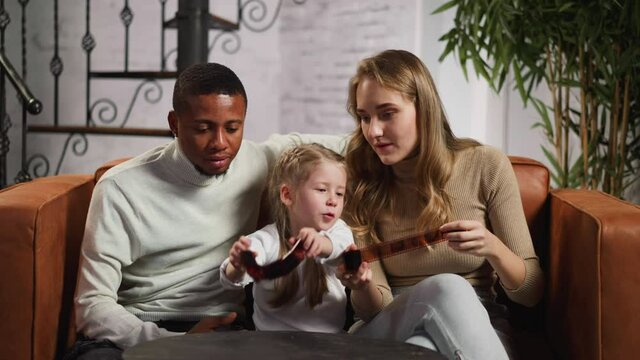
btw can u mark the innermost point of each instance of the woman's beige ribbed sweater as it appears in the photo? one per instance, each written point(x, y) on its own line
point(482, 187)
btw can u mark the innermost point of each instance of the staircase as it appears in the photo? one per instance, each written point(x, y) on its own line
point(192, 21)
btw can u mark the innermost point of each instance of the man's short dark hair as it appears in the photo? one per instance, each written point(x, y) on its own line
point(205, 79)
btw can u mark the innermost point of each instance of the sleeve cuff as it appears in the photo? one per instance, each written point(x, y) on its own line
point(532, 289)
point(227, 283)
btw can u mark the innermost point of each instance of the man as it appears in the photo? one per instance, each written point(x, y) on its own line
point(160, 224)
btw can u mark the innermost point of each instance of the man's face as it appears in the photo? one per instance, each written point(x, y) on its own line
point(209, 130)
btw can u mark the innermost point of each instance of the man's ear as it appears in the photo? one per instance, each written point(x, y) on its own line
point(286, 195)
point(173, 122)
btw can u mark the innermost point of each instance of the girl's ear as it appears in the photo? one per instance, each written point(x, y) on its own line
point(286, 195)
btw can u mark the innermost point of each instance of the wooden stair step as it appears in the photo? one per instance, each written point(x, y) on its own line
point(134, 74)
point(100, 130)
point(214, 22)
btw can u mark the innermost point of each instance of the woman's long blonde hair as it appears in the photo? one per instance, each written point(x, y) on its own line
point(293, 168)
point(371, 181)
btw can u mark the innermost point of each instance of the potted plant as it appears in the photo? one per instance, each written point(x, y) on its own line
point(587, 53)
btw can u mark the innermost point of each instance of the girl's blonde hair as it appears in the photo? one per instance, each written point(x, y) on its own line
point(293, 168)
point(369, 191)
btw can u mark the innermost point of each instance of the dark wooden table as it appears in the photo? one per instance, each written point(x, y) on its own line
point(275, 345)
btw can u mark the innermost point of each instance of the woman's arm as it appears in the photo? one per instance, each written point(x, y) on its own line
point(473, 238)
point(508, 246)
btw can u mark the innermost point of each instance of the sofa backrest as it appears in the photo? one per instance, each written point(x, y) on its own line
point(42, 225)
point(533, 181)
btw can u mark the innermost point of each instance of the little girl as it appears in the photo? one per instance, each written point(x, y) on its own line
point(306, 191)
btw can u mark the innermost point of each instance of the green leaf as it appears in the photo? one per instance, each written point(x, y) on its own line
point(499, 37)
point(556, 173)
point(446, 6)
point(565, 7)
point(545, 119)
point(517, 73)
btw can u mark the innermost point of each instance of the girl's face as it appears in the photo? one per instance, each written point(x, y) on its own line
point(318, 201)
point(388, 121)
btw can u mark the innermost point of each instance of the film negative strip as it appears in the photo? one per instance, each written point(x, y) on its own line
point(277, 268)
point(352, 259)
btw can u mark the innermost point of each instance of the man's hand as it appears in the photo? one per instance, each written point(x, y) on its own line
point(209, 324)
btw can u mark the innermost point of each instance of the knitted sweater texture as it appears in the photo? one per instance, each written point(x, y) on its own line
point(157, 231)
point(482, 187)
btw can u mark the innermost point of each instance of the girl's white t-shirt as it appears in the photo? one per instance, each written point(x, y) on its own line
point(328, 317)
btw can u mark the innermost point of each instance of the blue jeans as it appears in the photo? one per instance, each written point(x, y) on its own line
point(442, 313)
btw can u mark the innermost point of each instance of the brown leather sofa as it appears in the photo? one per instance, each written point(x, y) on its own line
point(589, 244)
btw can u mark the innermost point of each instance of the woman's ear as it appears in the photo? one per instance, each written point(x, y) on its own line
point(286, 194)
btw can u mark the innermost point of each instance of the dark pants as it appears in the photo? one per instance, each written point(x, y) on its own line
point(92, 349)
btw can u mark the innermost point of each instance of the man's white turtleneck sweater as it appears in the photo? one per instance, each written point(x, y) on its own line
point(158, 230)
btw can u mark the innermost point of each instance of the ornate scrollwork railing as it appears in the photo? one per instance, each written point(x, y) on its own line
point(103, 114)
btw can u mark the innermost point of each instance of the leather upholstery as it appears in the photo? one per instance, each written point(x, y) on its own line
point(588, 242)
point(594, 277)
point(533, 181)
point(42, 224)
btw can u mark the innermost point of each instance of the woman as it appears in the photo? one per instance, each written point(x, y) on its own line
point(409, 173)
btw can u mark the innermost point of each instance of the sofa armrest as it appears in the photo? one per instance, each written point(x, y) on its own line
point(594, 277)
point(42, 224)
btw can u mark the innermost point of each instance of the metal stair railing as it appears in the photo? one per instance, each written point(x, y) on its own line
point(29, 103)
point(192, 22)
point(33, 105)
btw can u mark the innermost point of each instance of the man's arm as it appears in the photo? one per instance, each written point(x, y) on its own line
point(106, 249)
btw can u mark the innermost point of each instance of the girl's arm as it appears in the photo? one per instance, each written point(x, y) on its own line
point(234, 274)
point(341, 238)
point(370, 292)
point(314, 243)
point(234, 271)
point(263, 244)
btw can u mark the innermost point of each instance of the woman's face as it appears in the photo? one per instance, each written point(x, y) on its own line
point(388, 121)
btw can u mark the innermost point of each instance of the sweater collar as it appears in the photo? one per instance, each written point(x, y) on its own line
point(179, 165)
point(405, 170)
